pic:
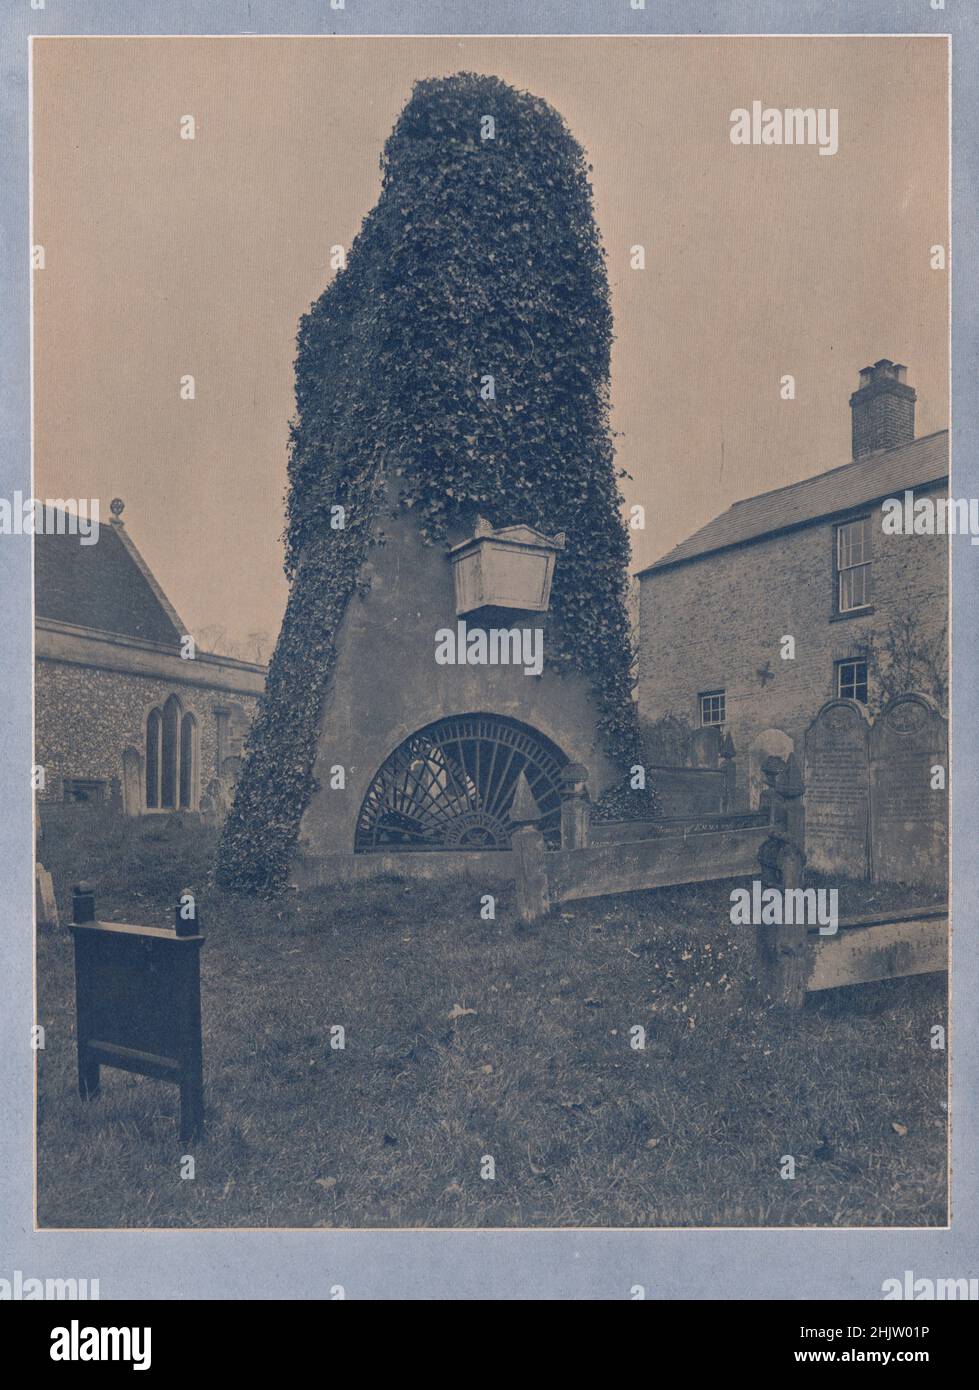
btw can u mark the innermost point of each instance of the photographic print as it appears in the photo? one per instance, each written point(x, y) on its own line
point(491, 545)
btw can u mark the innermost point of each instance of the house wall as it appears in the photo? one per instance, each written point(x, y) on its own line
point(715, 622)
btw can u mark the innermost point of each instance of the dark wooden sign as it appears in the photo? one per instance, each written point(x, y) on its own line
point(138, 1004)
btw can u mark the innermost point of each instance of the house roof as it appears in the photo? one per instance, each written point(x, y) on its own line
point(106, 585)
point(855, 484)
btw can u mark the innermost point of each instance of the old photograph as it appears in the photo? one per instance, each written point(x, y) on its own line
point(491, 531)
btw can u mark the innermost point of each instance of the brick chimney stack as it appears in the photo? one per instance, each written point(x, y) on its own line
point(883, 409)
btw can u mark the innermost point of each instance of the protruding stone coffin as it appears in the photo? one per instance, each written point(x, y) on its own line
point(837, 779)
point(507, 568)
point(908, 816)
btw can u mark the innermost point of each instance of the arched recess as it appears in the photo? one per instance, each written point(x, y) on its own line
point(770, 743)
point(450, 786)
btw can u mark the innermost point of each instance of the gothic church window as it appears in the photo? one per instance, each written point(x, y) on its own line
point(171, 754)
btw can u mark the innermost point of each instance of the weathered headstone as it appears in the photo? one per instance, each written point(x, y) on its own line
point(219, 794)
point(770, 743)
point(47, 906)
point(837, 781)
point(132, 782)
point(667, 741)
point(908, 816)
point(211, 808)
point(705, 747)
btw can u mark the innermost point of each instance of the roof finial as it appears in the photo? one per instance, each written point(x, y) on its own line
point(117, 507)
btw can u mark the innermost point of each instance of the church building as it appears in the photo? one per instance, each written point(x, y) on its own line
point(122, 718)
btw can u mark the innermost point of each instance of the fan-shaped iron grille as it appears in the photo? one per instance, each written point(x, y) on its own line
point(451, 785)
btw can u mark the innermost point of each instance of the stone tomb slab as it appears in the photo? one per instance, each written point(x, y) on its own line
point(908, 818)
point(837, 778)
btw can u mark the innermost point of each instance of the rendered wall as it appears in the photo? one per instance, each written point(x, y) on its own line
point(386, 685)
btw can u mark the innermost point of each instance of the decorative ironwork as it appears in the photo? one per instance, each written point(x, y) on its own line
point(451, 785)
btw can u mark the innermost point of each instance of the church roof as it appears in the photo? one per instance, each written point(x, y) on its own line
point(869, 479)
point(106, 585)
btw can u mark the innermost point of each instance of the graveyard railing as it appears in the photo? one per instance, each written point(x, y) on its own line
point(595, 861)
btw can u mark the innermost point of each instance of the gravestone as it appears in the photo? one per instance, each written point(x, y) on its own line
point(705, 747)
point(770, 743)
point(212, 807)
point(45, 901)
point(667, 741)
point(219, 794)
point(908, 817)
point(837, 781)
point(132, 782)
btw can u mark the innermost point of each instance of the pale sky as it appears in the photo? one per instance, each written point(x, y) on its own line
point(166, 257)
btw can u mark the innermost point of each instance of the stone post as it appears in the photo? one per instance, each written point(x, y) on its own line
point(575, 807)
point(82, 903)
point(185, 919)
point(789, 946)
point(789, 805)
point(533, 899)
point(729, 774)
point(770, 770)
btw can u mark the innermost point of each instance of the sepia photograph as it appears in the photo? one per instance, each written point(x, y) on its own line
point(491, 616)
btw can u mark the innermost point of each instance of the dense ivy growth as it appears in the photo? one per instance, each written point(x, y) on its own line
point(481, 259)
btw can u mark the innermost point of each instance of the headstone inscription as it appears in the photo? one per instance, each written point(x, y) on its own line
point(908, 813)
point(837, 779)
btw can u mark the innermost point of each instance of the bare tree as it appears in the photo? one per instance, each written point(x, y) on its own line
point(210, 638)
point(259, 643)
point(902, 657)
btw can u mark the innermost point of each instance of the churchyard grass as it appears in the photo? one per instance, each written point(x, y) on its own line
point(466, 1038)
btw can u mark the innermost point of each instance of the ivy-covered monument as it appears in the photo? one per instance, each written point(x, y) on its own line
point(455, 549)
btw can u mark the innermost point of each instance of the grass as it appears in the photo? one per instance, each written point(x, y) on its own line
point(536, 1071)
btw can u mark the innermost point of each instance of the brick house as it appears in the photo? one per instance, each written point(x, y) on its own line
point(120, 717)
point(808, 561)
